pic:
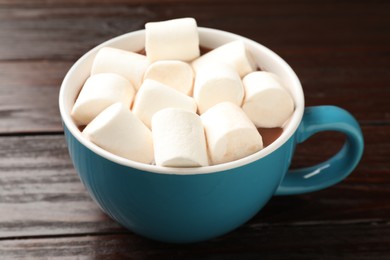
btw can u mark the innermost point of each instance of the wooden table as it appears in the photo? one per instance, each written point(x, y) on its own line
point(339, 49)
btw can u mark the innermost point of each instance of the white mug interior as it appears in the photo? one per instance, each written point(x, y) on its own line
point(266, 59)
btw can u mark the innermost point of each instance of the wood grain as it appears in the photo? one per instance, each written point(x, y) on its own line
point(248, 242)
point(43, 195)
point(65, 32)
point(108, 2)
point(339, 51)
point(29, 96)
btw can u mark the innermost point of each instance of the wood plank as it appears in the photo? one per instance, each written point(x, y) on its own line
point(43, 195)
point(40, 192)
point(66, 32)
point(26, 3)
point(339, 49)
point(358, 90)
point(63, 33)
point(110, 2)
point(341, 59)
point(248, 242)
point(29, 96)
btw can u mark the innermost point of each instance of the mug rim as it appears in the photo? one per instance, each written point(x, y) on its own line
point(288, 130)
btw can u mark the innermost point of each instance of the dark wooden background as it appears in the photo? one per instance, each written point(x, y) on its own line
point(339, 49)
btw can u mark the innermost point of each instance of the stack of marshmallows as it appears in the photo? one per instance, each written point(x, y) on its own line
point(176, 108)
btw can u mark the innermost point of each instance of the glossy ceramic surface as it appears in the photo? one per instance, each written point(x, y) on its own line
point(334, 170)
point(179, 208)
point(194, 204)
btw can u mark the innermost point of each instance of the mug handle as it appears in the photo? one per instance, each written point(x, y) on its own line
point(325, 174)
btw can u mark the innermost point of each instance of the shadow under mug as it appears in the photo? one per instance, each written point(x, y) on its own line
point(183, 205)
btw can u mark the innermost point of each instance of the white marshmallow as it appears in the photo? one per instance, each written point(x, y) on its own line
point(179, 139)
point(175, 39)
point(215, 83)
point(230, 134)
point(267, 103)
point(128, 64)
point(154, 96)
point(173, 73)
point(99, 92)
point(120, 132)
point(233, 53)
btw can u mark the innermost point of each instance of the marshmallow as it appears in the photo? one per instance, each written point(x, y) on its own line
point(230, 134)
point(175, 39)
point(176, 74)
point(233, 53)
point(179, 139)
point(120, 132)
point(128, 64)
point(215, 83)
point(99, 92)
point(154, 96)
point(267, 103)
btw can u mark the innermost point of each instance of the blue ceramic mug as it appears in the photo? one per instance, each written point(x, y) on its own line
point(184, 205)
